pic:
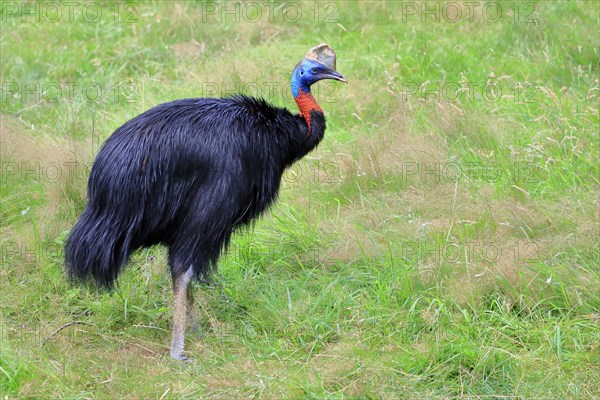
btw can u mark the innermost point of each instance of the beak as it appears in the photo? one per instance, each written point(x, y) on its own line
point(331, 74)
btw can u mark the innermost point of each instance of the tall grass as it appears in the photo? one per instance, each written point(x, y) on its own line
point(441, 242)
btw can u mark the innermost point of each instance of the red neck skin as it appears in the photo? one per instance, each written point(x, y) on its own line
point(306, 103)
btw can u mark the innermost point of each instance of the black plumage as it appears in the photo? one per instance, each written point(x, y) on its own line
point(186, 174)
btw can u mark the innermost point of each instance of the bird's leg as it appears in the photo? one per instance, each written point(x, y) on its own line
point(181, 295)
point(192, 314)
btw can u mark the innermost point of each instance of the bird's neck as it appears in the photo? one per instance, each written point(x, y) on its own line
point(306, 103)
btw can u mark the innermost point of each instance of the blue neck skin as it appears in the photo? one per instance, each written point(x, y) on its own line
point(298, 83)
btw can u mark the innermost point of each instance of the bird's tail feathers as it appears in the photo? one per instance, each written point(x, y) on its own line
point(98, 247)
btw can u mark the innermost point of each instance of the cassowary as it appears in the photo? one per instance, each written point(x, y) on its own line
point(186, 174)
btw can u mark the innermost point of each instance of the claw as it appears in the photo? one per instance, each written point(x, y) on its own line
point(181, 357)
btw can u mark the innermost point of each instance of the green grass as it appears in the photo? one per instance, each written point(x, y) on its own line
point(442, 241)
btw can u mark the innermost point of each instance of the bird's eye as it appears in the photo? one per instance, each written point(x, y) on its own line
point(314, 70)
point(301, 72)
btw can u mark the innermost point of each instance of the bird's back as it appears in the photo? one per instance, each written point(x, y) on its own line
point(220, 160)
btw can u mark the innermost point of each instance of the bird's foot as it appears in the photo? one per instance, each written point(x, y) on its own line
point(179, 356)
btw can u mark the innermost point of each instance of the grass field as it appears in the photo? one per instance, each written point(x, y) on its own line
point(441, 243)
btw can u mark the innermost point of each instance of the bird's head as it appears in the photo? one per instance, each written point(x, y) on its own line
point(318, 64)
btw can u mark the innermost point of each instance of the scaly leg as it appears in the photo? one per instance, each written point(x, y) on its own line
point(193, 321)
point(182, 297)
